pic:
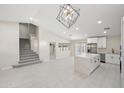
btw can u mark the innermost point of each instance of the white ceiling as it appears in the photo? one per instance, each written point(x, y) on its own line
point(17, 12)
point(46, 15)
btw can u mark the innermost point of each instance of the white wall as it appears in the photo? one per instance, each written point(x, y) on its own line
point(34, 44)
point(45, 38)
point(112, 42)
point(9, 44)
point(34, 39)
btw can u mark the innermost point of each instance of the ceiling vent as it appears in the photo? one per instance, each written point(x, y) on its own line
point(107, 28)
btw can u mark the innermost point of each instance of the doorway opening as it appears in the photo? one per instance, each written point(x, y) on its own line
point(52, 47)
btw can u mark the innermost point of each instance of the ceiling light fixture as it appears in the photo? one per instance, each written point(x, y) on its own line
point(77, 28)
point(99, 22)
point(68, 15)
point(30, 18)
point(105, 32)
point(64, 32)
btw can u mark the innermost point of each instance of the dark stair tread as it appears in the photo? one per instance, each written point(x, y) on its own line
point(27, 52)
point(28, 57)
point(23, 55)
point(28, 60)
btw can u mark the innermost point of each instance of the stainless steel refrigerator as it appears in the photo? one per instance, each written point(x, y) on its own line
point(92, 48)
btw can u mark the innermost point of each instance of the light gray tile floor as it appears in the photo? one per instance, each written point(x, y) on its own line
point(59, 73)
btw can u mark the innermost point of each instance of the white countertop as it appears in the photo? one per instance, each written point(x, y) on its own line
point(86, 63)
point(87, 55)
point(109, 53)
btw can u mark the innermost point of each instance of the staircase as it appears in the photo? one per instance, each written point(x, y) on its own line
point(27, 57)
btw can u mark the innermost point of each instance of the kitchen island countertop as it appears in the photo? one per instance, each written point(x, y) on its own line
point(86, 63)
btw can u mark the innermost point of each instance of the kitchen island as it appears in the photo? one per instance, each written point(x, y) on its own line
point(86, 63)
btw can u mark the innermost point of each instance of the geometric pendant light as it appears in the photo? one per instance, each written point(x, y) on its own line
point(68, 15)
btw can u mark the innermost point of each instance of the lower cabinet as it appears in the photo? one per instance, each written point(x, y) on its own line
point(112, 58)
point(86, 64)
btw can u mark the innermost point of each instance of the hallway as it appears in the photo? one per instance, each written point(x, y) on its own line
point(59, 73)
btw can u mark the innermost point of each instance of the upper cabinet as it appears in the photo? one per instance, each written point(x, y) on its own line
point(92, 40)
point(101, 42)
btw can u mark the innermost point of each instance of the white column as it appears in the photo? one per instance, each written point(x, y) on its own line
point(122, 51)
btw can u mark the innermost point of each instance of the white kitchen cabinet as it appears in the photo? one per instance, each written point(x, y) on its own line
point(112, 58)
point(92, 40)
point(101, 42)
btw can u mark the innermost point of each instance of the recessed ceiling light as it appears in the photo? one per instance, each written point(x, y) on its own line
point(99, 22)
point(64, 32)
point(30, 18)
point(77, 28)
point(105, 32)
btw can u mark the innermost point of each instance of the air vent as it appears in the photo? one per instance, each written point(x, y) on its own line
point(107, 28)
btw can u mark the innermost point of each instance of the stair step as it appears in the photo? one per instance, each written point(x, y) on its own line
point(28, 60)
point(27, 52)
point(28, 57)
point(32, 57)
point(26, 64)
point(25, 49)
point(21, 53)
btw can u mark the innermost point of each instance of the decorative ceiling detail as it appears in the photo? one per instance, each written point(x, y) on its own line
point(68, 15)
